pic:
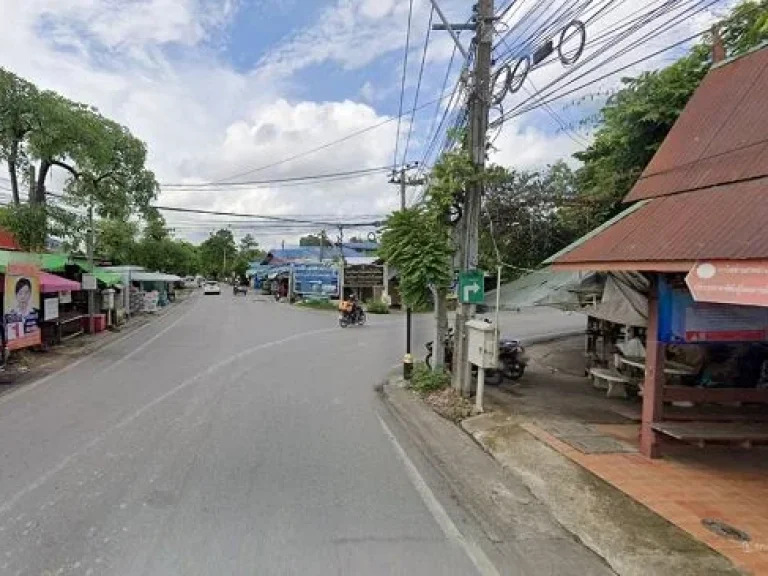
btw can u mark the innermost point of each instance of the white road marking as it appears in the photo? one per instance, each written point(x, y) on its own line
point(29, 387)
point(12, 501)
point(481, 561)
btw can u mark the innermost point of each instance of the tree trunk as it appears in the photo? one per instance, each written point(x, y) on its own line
point(441, 326)
point(12, 157)
point(42, 174)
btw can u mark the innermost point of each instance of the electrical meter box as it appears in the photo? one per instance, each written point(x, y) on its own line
point(108, 299)
point(481, 344)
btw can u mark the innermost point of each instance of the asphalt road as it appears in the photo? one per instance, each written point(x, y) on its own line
point(233, 436)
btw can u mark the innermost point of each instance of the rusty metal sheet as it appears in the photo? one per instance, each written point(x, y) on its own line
point(720, 137)
point(721, 223)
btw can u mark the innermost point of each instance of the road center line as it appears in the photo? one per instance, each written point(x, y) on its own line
point(481, 561)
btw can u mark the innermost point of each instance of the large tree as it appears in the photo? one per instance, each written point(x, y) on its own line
point(116, 241)
point(315, 240)
point(520, 219)
point(17, 115)
point(218, 253)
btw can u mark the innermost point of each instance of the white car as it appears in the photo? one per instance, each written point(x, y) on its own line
point(211, 287)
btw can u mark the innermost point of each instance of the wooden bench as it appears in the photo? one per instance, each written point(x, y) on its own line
point(616, 383)
point(700, 433)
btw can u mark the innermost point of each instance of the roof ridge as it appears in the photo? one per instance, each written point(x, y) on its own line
point(732, 59)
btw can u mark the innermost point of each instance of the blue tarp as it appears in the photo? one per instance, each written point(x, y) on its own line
point(295, 253)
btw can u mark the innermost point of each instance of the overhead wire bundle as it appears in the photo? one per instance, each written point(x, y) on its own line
point(604, 54)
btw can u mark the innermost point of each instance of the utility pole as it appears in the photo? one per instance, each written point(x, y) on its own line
point(90, 248)
point(404, 182)
point(469, 227)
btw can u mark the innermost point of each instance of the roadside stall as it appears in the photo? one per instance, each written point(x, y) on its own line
point(58, 318)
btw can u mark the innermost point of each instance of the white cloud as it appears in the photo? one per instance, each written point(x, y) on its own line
point(367, 92)
point(526, 147)
point(203, 120)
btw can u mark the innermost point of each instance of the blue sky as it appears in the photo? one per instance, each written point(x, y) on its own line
point(219, 87)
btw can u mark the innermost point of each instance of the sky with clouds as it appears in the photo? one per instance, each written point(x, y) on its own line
point(224, 87)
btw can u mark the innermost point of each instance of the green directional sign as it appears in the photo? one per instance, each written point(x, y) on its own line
point(471, 287)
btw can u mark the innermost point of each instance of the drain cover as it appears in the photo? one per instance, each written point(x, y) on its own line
point(725, 530)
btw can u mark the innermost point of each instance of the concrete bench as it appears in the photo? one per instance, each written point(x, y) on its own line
point(616, 383)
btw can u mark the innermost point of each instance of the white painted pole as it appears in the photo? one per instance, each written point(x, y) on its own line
point(480, 389)
point(497, 325)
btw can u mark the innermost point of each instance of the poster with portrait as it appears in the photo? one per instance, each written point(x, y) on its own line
point(21, 306)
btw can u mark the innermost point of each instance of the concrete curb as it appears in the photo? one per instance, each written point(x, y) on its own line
point(520, 530)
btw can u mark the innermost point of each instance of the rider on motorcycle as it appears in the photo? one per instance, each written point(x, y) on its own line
point(355, 306)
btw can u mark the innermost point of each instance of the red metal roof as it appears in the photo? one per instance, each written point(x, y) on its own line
point(722, 223)
point(721, 135)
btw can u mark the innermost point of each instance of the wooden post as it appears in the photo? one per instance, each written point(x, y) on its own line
point(653, 387)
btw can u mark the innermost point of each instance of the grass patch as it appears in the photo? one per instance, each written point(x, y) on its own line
point(377, 307)
point(425, 380)
point(318, 304)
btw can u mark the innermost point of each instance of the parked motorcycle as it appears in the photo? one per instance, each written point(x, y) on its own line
point(351, 314)
point(512, 359)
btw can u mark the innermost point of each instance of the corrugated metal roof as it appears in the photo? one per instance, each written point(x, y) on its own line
point(725, 222)
point(310, 252)
point(721, 135)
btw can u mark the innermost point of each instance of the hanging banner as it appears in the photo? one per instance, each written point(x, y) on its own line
point(744, 283)
point(20, 306)
point(683, 320)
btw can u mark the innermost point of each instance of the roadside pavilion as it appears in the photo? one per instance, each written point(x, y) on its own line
point(696, 228)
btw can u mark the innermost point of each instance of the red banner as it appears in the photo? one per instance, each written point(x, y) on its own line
point(730, 282)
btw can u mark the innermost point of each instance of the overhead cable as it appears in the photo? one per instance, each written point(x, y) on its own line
point(402, 82)
point(418, 87)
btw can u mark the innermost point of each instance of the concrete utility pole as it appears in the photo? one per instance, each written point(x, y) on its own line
point(404, 182)
point(90, 247)
point(469, 227)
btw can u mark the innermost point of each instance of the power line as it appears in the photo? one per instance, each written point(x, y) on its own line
point(243, 215)
point(418, 86)
point(517, 111)
point(612, 56)
point(295, 179)
point(402, 83)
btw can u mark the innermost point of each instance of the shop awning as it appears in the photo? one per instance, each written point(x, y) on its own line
point(108, 278)
point(142, 276)
point(53, 283)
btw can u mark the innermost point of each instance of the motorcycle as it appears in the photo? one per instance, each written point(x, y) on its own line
point(512, 359)
point(350, 314)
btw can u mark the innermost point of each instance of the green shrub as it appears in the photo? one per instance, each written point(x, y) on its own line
point(423, 379)
point(318, 304)
point(377, 307)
